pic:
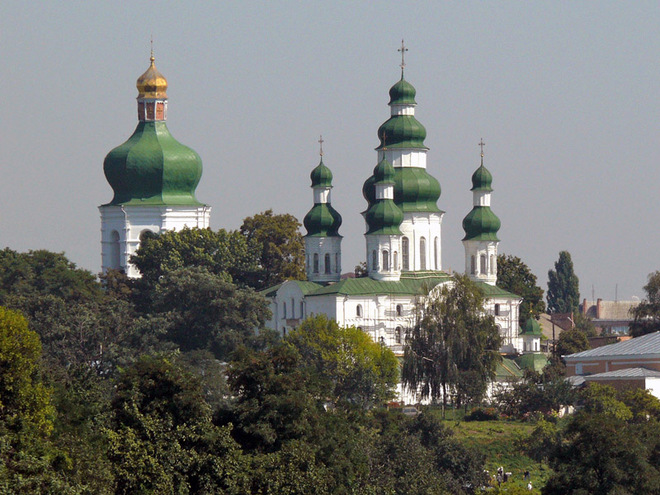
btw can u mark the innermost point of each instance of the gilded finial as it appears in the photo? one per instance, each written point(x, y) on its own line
point(403, 51)
point(321, 141)
point(152, 58)
point(481, 145)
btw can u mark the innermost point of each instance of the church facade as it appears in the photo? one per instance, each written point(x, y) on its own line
point(403, 232)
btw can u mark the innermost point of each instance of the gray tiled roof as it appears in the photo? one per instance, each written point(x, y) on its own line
point(648, 344)
point(627, 373)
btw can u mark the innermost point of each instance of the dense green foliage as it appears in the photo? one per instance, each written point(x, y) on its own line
point(452, 340)
point(280, 247)
point(563, 286)
point(516, 277)
point(646, 316)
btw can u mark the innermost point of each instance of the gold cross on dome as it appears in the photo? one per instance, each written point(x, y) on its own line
point(403, 51)
point(481, 145)
point(321, 141)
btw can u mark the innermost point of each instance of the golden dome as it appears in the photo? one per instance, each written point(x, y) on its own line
point(152, 84)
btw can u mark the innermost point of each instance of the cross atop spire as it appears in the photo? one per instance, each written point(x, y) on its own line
point(152, 48)
point(481, 145)
point(321, 141)
point(403, 51)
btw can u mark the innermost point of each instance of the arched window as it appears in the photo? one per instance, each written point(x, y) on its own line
point(386, 260)
point(405, 259)
point(114, 250)
point(293, 308)
point(395, 261)
point(399, 310)
point(482, 267)
point(374, 260)
point(472, 267)
point(328, 267)
point(422, 253)
point(337, 263)
point(316, 262)
point(492, 264)
point(302, 308)
point(358, 310)
point(497, 310)
point(435, 253)
point(397, 335)
point(284, 310)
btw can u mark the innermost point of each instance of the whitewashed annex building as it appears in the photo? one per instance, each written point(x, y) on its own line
point(403, 244)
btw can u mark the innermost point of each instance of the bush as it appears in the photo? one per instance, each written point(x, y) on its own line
point(482, 414)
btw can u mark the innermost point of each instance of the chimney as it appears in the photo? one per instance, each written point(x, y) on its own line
point(598, 308)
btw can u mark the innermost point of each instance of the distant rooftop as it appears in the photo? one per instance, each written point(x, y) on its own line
point(646, 345)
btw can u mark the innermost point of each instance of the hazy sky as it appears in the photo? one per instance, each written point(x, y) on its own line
point(565, 95)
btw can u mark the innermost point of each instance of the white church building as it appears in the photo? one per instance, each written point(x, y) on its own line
point(403, 232)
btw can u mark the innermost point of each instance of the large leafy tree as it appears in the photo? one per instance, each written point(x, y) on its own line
point(221, 252)
point(357, 370)
point(162, 439)
point(516, 277)
point(452, 336)
point(200, 310)
point(646, 316)
point(563, 286)
point(282, 253)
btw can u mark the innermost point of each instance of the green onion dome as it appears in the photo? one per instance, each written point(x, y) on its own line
point(321, 176)
point(415, 190)
point(531, 327)
point(482, 179)
point(384, 217)
point(153, 168)
point(481, 224)
point(402, 93)
point(322, 220)
point(402, 131)
point(384, 172)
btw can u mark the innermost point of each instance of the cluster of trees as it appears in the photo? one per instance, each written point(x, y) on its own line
point(161, 385)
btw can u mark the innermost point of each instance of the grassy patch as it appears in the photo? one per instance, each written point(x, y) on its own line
point(499, 441)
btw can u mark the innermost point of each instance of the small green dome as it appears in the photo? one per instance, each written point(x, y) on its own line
point(384, 217)
point(402, 93)
point(321, 176)
point(535, 361)
point(384, 172)
point(482, 179)
point(481, 224)
point(531, 327)
point(402, 131)
point(322, 220)
point(153, 168)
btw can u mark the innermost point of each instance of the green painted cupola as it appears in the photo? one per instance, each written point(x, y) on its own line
point(481, 224)
point(383, 216)
point(152, 168)
point(322, 220)
point(532, 327)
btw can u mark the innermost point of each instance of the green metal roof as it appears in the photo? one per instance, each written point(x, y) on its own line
point(415, 190)
point(322, 221)
point(481, 224)
point(532, 327)
point(402, 93)
point(384, 217)
point(402, 131)
point(491, 291)
point(153, 168)
point(407, 285)
point(535, 361)
point(321, 176)
point(507, 370)
point(482, 179)
point(305, 287)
